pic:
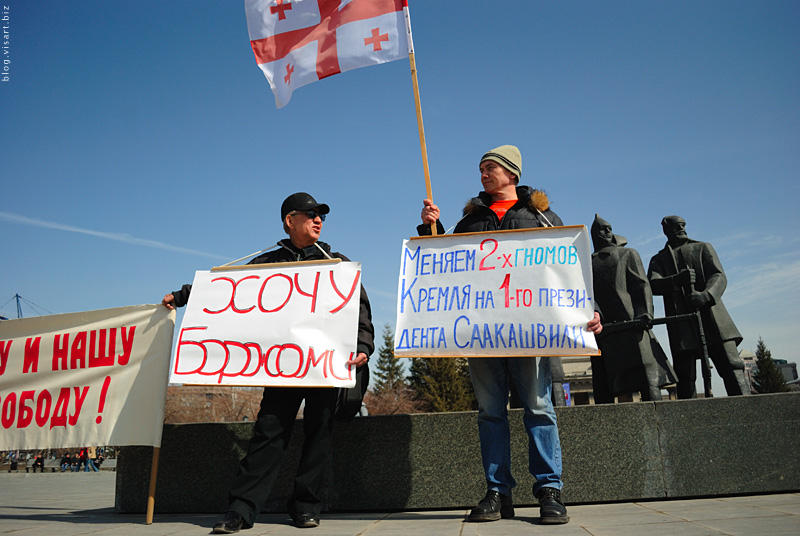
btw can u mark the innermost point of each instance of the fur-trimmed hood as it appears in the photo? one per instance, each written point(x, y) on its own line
point(537, 200)
point(531, 210)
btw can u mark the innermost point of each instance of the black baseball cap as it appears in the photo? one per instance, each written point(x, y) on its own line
point(302, 201)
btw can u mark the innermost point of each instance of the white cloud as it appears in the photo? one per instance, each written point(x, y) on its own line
point(771, 284)
point(119, 237)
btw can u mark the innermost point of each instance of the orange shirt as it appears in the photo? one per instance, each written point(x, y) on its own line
point(501, 207)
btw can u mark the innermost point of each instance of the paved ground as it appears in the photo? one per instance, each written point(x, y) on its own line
point(67, 504)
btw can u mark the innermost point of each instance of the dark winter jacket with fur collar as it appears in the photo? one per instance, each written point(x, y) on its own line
point(532, 209)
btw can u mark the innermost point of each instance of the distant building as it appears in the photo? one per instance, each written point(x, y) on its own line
point(789, 370)
point(578, 383)
point(750, 367)
point(578, 376)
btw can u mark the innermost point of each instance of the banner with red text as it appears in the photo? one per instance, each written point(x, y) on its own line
point(496, 294)
point(82, 379)
point(288, 324)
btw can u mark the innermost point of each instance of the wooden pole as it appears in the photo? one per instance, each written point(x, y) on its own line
point(420, 126)
point(151, 494)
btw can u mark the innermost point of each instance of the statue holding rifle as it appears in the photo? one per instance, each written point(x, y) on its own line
point(632, 359)
point(689, 275)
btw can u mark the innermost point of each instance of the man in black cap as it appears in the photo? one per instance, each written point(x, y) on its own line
point(689, 275)
point(258, 471)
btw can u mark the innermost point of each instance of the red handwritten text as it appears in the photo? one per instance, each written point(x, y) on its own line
point(91, 349)
point(276, 290)
point(5, 348)
point(23, 409)
point(236, 359)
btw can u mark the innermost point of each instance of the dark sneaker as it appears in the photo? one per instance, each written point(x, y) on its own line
point(306, 521)
point(551, 510)
point(232, 522)
point(493, 507)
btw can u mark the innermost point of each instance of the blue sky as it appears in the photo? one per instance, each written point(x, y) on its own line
point(140, 142)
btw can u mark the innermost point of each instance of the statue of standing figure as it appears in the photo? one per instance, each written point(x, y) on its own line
point(632, 360)
point(689, 275)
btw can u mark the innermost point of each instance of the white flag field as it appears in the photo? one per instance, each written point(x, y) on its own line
point(282, 324)
point(89, 378)
point(496, 294)
point(297, 42)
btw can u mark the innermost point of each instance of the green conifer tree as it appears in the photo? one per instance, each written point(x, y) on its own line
point(768, 378)
point(389, 373)
point(390, 393)
point(443, 384)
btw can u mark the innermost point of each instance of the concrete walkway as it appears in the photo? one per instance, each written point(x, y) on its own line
point(67, 504)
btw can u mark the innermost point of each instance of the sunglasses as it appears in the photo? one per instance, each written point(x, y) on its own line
point(312, 214)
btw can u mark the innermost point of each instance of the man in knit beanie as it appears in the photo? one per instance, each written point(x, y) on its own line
point(505, 204)
point(507, 156)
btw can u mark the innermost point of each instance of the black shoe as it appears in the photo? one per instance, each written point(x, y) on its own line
point(232, 522)
point(493, 507)
point(551, 510)
point(306, 521)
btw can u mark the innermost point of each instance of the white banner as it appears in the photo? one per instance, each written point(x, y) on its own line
point(82, 379)
point(288, 324)
point(504, 293)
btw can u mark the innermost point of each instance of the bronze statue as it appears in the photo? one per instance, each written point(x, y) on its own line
point(689, 275)
point(632, 359)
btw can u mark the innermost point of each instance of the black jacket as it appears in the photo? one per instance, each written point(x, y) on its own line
point(532, 209)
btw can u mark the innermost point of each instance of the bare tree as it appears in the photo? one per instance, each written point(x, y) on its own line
point(391, 393)
point(211, 404)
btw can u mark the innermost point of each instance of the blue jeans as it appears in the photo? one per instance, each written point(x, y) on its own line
point(532, 378)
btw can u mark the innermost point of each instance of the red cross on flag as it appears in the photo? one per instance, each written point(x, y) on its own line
point(297, 42)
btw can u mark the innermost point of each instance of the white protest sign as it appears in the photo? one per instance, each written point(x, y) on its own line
point(287, 324)
point(504, 293)
point(90, 378)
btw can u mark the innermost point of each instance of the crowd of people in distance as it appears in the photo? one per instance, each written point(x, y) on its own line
point(86, 459)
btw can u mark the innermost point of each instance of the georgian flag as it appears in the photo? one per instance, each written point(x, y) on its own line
point(297, 42)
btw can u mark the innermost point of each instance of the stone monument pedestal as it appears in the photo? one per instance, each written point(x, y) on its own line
point(623, 452)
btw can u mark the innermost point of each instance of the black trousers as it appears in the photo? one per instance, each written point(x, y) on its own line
point(259, 469)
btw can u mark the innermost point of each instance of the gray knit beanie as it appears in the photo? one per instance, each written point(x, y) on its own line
point(507, 156)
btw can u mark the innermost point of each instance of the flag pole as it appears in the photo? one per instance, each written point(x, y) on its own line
point(151, 494)
point(421, 127)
